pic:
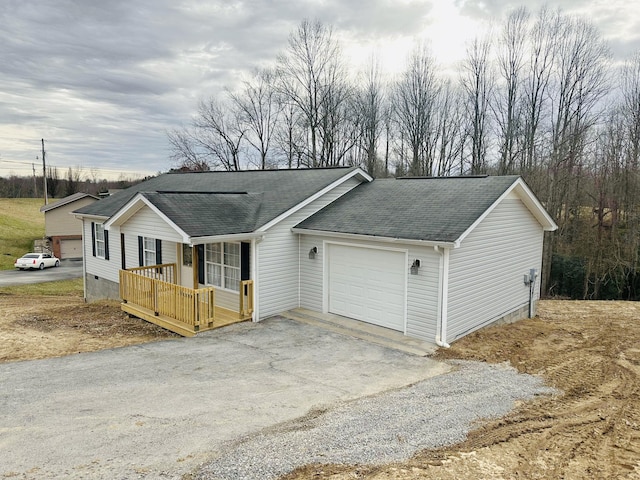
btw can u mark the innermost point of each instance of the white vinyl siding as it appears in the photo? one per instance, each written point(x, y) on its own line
point(422, 289)
point(486, 272)
point(278, 268)
point(107, 269)
point(422, 293)
point(146, 223)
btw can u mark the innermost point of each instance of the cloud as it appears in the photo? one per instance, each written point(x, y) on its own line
point(102, 81)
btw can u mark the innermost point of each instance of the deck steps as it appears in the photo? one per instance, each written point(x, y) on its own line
point(372, 333)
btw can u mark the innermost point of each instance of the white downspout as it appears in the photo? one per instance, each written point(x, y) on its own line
point(441, 326)
point(84, 262)
point(254, 277)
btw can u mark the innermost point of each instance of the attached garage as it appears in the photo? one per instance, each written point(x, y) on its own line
point(433, 258)
point(368, 284)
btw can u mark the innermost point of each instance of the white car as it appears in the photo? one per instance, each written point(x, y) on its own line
point(36, 260)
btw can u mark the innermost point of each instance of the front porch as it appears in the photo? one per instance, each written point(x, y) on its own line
point(152, 294)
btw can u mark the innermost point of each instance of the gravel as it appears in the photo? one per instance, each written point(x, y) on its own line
point(387, 427)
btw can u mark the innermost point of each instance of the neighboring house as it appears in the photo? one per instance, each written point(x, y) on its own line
point(434, 258)
point(63, 229)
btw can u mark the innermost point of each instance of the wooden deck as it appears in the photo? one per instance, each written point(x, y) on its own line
point(151, 294)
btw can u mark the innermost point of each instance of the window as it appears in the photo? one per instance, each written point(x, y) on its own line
point(187, 255)
point(222, 265)
point(99, 238)
point(149, 251)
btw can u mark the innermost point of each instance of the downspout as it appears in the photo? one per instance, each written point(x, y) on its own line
point(254, 277)
point(84, 263)
point(441, 325)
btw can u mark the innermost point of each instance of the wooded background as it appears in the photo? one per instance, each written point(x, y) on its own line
point(539, 97)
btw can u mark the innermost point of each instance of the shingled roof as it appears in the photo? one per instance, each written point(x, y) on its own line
point(218, 203)
point(427, 209)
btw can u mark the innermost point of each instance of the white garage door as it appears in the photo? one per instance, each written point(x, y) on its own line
point(71, 248)
point(368, 284)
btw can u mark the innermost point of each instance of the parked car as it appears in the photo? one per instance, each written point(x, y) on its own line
point(36, 260)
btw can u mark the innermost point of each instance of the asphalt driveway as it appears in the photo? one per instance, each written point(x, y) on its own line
point(159, 410)
point(67, 270)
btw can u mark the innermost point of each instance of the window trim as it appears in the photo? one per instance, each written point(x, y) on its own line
point(100, 232)
point(223, 266)
point(146, 250)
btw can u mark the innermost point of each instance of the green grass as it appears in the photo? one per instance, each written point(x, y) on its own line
point(21, 222)
point(67, 288)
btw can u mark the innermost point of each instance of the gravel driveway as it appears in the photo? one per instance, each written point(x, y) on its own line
point(232, 400)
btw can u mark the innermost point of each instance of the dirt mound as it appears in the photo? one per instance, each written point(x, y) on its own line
point(590, 351)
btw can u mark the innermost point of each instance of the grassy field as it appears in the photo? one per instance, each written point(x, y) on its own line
point(62, 288)
point(21, 222)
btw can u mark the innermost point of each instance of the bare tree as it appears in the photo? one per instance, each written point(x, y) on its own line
point(415, 98)
point(258, 110)
point(449, 130)
point(312, 78)
point(74, 177)
point(53, 181)
point(543, 38)
point(579, 83)
point(213, 141)
point(477, 83)
point(506, 106)
point(370, 104)
point(185, 153)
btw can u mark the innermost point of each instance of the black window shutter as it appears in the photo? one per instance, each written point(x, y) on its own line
point(93, 238)
point(123, 255)
point(201, 264)
point(158, 251)
point(140, 252)
point(245, 264)
point(106, 244)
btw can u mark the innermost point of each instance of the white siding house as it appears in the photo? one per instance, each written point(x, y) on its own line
point(433, 258)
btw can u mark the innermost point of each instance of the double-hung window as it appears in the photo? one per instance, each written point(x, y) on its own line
point(100, 242)
point(149, 251)
point(222, 265)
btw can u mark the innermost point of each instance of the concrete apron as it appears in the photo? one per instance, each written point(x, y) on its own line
point(163, 408)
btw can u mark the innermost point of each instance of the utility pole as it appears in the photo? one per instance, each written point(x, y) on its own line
point(35, 182)
point(44, 175)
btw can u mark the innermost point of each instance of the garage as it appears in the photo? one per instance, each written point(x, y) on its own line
point(71, 248)
point(368, 284)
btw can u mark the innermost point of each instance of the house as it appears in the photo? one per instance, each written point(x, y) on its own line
point(62, 229)
point(434, 258)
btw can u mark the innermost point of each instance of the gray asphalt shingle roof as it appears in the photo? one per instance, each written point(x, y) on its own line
point(225, 213)
point(219, 203)
point(430, 209)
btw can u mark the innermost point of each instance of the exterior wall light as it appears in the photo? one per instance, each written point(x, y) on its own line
point(415, 266)
point(313, 252)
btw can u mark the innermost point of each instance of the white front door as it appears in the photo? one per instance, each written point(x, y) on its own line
point(368, 284)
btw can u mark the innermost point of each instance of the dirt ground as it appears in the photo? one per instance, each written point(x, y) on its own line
point(53, 326)
point(588, 350)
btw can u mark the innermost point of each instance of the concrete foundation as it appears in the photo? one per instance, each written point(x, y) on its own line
point(98, 288)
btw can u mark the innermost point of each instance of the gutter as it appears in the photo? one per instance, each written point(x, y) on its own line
point(443, 300)
point(375, 238)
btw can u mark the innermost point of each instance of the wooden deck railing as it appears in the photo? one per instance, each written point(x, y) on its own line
point(246, 298)
point(165, 272)
point(147, 293)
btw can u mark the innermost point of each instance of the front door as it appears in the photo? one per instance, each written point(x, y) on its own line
point(185, 256)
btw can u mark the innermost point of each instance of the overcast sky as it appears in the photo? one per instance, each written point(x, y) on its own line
point(102, 81)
